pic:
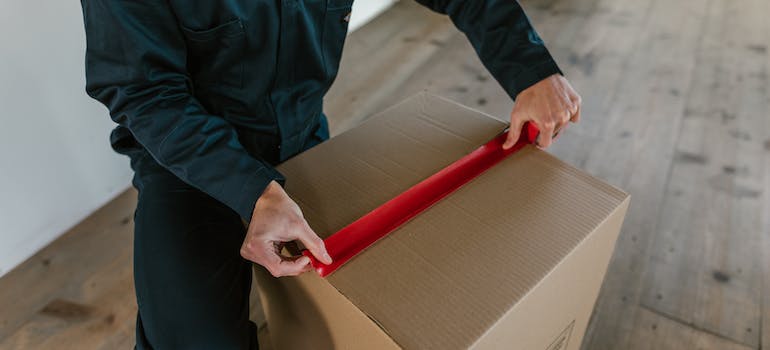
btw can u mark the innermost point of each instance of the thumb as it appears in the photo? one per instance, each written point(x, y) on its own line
point(314, 244)
point(517, 121)
point(293, 267)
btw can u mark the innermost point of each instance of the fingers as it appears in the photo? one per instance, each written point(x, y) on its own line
point(293, 267)
point(575, 116)
point(314, 244)
point(550, 104)
point(268, 255)
point(559, 130)
point(577, 101)
point(550, 119)
point(298, 265)
point(552, 124)
point(280, 267)
point(546, 133)
point(517, 122)
point(277, 222)
point(266, 250)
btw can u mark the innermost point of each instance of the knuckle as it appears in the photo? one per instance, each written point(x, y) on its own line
point(549, 124)
point(248, 250)
point(297, 222)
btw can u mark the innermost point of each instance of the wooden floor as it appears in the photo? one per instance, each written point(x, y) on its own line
point(676, 112)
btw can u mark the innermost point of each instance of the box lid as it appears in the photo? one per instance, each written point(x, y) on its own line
point(447, 276)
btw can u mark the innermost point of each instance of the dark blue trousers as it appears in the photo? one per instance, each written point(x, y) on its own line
point(192, 285)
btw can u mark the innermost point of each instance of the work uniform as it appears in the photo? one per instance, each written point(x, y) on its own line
point(208, 96)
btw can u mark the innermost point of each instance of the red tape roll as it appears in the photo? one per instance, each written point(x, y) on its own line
point(357, 236)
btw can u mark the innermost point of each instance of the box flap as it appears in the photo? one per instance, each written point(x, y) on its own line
point(342, 179)
point(444, 278)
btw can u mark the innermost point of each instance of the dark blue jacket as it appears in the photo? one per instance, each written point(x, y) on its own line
point(219, 91)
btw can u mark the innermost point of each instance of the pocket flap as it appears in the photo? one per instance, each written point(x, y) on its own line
point(229, 29)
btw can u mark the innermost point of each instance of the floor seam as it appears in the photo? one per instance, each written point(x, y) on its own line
point(693, 325)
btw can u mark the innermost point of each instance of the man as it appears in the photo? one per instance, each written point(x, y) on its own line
point(209, 95)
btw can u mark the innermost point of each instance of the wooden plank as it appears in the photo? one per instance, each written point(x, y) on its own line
point(379, 57)
point(657, 332)
point(62, 267)
point(765, 337)
point(104, 310)
point(704, 261)
point(592, 42)
point(597, 56)
point(635, 153)
point(765, 243)
point(96, 313)
point(627, 96)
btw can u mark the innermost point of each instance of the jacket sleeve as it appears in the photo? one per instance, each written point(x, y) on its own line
point(135, 65)
point(503, 38)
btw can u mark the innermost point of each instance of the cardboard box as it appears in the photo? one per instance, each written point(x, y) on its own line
point(512, 260)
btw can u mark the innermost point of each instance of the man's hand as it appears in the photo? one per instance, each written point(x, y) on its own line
point(551, 104)
point(277, 220)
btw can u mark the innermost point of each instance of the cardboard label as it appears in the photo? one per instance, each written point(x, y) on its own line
point(561, 342)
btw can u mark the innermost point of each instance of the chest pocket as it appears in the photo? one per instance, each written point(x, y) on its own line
point(215, 55)
point(335, 29)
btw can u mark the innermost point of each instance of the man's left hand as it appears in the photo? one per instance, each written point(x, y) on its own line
point(551, 104)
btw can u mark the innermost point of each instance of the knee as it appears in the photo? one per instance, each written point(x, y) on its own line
point(188, 329)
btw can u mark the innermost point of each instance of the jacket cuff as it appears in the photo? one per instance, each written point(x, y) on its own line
point(531, 76)
point(248, 195)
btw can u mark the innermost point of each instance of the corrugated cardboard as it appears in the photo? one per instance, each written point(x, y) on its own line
point(512, 260)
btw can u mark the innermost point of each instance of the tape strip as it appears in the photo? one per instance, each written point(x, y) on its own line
point(357, 236)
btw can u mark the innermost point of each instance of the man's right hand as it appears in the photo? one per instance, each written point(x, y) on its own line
point(275, 221)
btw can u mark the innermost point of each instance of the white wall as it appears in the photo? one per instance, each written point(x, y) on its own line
point(365, 10)
point(56, 166)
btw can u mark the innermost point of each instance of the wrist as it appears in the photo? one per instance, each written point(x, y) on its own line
point(273, 192)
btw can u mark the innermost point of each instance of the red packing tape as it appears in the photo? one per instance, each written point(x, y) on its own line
point(357, 236)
